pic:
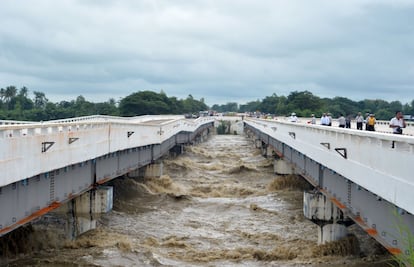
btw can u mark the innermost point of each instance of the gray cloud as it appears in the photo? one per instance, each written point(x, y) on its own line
point(220, 50)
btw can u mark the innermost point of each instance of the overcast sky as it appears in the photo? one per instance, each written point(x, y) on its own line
point(223, 51)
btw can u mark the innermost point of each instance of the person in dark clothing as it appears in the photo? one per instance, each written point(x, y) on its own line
point(348, 122)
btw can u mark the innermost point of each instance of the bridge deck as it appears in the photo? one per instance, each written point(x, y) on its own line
point(368, 175)
point(48, 163)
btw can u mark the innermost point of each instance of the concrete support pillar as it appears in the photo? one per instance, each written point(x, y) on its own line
point(177, 150)
point(258, 143)
point(264, 149)
point(138, 173)
point(237, 127)
point(331, 232)
point(83, 211)
point(329, 218)
point(154, 170)
point(269, 151)
point(281, 167)
point(80, 219)
point(151, 170)
point(205, 133)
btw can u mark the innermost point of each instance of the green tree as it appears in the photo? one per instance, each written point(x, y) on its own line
point(40, 100)
point(2, 94)
point(298, 101)
point(144, 103)
point(231, 107)
point(22, 99)
point(395, 106)
point(250, 106)
point(384, 114)
point(191, 105)
point(107, 108)
point(9, 95)
point(344, 106)
point(281, 107)
point(270, 104)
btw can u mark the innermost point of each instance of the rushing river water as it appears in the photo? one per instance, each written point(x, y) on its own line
point(218, 204)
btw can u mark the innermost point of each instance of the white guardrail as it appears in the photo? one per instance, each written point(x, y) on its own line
point(371, 162)
point(34, 148)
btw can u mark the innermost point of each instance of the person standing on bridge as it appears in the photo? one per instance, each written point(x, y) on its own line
point(341, 121)
point(366, 120)
point(397, 123)
point(329, 115)
point(324, 120)
point(359, 121)
point(293, 117)
point(348, 122)
point(313, 119)
point(371, 123)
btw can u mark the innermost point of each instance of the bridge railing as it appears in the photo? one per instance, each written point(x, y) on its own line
point(380, 125)
point(31, 149)
point(10, 122)
point(380, 162)
point(105, 118)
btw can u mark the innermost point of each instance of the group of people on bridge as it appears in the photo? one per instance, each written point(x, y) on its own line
point(397, 123)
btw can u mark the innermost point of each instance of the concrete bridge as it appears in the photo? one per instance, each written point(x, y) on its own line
point(359, 177)
point(64, 162)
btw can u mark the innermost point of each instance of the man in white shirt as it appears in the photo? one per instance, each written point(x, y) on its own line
point(293, 117)
point(397, 123)
point(325, 120)
point(342, 121)
point(359, 120)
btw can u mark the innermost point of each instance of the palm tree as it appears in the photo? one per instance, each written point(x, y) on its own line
point(2, 94)
point(23, 92)
point(9, 94)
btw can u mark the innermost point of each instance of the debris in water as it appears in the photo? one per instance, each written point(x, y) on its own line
point(344, 247)
point(279, 253)
point(291, 181)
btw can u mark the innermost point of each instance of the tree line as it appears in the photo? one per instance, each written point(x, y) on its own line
point(16, 104)
point(304, 104)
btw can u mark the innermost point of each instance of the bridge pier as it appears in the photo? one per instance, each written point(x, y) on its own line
point(177, 150)
point(331, 232)
point(258, 143)
point(154, 169)
point(281, 167)
point(83, 211)
point(150, 170)
point(332, 225)
point(201, 137)
point(266, 150)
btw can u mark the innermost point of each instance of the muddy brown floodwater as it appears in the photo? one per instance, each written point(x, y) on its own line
point(218, 204)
